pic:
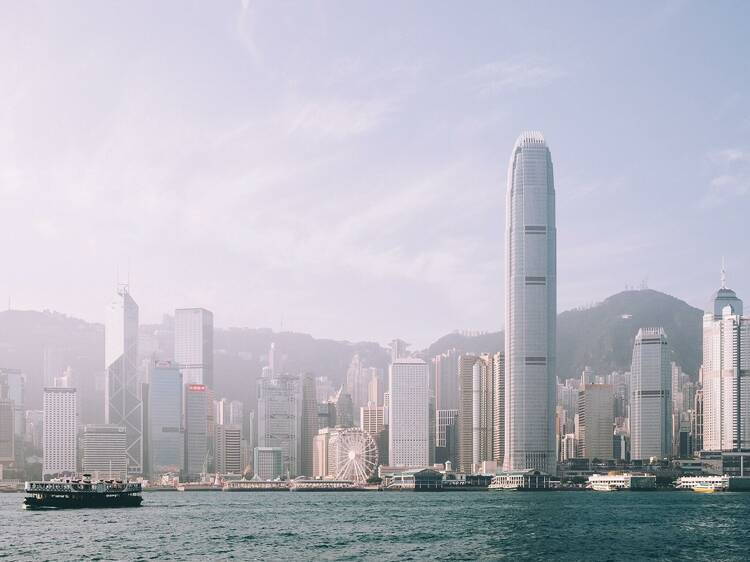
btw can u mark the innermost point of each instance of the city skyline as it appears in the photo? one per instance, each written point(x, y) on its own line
point(303, 193)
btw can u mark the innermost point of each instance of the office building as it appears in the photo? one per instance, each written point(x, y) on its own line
point(651, 401)
point(166, 436)
point(60, 440)
point(196, 430)
point(280, 419)
point(372, 419)
point(228, 449)
point(344, 408)
point(596, 421)
point(267, 462)
point(408, 413)
point(123, 405)
point(7, 430)
point(104, 451)
point(446, 436)
point(15, 381)
point(445, 380)
point(726, 374)
point(194, 345)
point(308, 424)
point(530, 307)
point(321, 451)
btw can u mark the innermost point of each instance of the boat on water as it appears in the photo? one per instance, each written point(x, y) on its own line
point(605, 487)
point(708, 488)
point(80, 493)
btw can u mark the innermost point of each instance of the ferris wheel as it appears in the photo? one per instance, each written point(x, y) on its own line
point(355, 455)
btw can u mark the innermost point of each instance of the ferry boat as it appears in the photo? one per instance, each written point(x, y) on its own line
point(708, 488)
point(323, 485)
point(703, 484)
point(605, 487)
point(84, 492)
point(256, 485)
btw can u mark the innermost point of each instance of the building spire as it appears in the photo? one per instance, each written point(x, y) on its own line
point(723, 274)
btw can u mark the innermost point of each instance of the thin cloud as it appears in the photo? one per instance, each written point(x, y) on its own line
point(512, 74)
point(731, 176)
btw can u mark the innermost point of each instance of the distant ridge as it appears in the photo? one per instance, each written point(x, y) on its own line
point(601, 336)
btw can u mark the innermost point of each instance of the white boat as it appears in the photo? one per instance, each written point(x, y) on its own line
point(708, 488)
point(605, 487)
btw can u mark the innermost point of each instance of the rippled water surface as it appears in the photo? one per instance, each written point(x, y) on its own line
point(387, 526)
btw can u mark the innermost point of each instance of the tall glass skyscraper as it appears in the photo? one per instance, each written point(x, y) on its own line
point(726, 374)
point(194, 345)
point(651, 396)
point(165, 430)
point(530, 307)
point(280, 408)
point(123, 405)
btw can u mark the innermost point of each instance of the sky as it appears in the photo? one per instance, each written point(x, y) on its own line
point(338, 168)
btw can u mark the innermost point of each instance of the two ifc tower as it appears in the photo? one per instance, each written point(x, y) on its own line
point(530, 307)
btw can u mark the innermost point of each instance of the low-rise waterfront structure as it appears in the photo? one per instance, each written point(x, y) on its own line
point(625, 481)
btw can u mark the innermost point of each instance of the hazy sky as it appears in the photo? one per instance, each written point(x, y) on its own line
point(342, 165)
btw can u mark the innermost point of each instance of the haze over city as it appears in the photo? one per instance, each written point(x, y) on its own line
point(319, 166)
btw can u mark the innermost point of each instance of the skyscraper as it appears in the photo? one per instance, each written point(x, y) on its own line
point(408, 411)
point(465, 425)
point(7, 427)
point(650, 402)
point(165, 430)
point(498, 408)
point(280, 419)
point(194, 345)
point(123, 404)
point(104, 451)
point(308, 424)
point(228, 449)
point(445, 373)
point(530, 307)
point(196, 430)
point(60, 441)
point(596, 420)
point(726, 374)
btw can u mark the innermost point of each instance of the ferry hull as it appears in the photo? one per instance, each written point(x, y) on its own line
point(85, 500)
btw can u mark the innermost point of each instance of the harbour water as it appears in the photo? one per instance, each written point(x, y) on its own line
point(387, 526)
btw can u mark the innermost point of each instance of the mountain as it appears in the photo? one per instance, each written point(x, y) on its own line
point(240, 354)
point(602, 336)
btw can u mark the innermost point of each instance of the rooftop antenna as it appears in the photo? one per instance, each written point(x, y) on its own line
point(723, 273)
